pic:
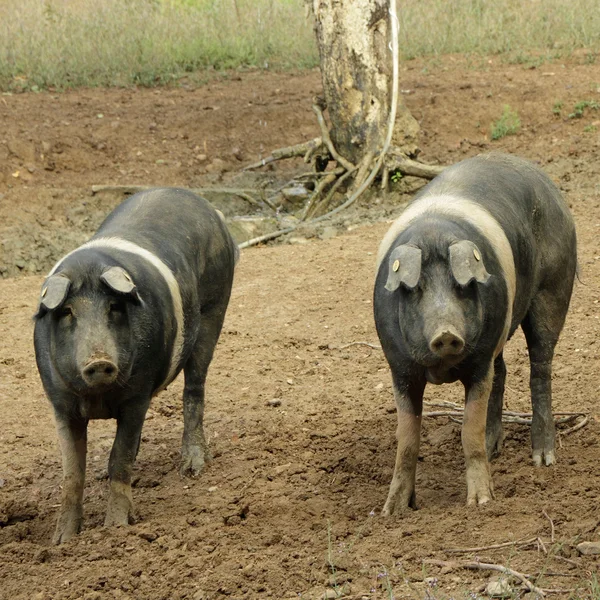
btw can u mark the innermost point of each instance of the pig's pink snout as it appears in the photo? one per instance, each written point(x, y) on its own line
point(447, 343)
point(100, 372)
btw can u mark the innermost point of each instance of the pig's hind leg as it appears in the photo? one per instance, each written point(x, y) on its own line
point(194, 450)
point(542, 326)
point(72, 435)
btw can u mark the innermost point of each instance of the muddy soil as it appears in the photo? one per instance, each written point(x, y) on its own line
point(289, 507)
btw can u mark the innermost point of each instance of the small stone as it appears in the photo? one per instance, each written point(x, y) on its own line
point(328, 232)
point(298, 240)
point(498, 588)
point(213, 488)
point(589, 548)
point(330, 594)
point(274, 402)
point(149, 536)
point(296, 193)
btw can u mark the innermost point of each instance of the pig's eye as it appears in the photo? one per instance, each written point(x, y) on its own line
point(117, 308)
point(65, 311)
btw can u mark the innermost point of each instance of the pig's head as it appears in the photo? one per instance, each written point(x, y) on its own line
point(438, 276)
point(87, 315)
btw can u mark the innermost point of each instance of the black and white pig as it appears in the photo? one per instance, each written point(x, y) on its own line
point(118, 319)
point(487, 246)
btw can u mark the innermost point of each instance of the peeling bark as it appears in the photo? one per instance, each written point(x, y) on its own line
point(356, 68)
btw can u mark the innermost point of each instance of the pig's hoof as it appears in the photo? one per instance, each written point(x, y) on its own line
point(68, 524)
point(397, 505)
point(119, 512)
point(193, 461)
point(482, 495)
point(543, 457)
point(480, 489)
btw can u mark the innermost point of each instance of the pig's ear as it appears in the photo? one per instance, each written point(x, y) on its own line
point(119, 281)
point(404, 268)
point(54, 292)
point(466, 263)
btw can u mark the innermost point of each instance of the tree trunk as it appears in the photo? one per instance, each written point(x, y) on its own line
point(356, 67)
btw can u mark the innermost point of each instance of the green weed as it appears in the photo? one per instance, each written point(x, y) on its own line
point(509, 123)
point(579, 108)
point(557, 107)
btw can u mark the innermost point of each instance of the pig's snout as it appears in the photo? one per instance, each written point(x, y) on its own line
point(446, 342)
point(100, 372)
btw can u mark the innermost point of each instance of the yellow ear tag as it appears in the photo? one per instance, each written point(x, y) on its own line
point(476, 254)
point(44, 291)
point(396, 265)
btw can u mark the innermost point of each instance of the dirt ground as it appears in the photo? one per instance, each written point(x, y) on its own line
point(289, 508)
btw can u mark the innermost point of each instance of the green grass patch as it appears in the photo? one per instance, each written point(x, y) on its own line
point(509, 123)
point(73, 43)
point(581, 106)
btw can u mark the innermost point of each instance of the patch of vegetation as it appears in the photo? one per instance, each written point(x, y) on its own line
point(579, 108)
point(71, 43)
point(557, 107)
point(509, 123)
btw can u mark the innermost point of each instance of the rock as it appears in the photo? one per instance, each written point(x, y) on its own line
point(149, 536)
point(216, 166)
point(589, 548)
point(498, 588)
point(295, 194)
point(330, 594)
point(245, 228)
point(298, 240)
point(328, 232)
point(274, 402)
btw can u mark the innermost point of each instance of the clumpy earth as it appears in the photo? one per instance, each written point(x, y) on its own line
point(301, 424)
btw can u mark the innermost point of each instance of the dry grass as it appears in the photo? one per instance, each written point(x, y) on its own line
point(70, 43)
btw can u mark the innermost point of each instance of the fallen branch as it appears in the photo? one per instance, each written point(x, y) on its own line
point(288, 152)
point(344, 346)
point(265, 238)
point(475, 565)
point(244, 193)
point(521, 543)
point(398, 161)
point(577, 427)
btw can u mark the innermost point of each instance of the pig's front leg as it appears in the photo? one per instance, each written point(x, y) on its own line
point(479, 480)
point(120, 465)
point(72, 436)
point(402, 489)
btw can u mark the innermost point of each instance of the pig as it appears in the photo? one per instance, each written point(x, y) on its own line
point(488, 245)
point(118, 319)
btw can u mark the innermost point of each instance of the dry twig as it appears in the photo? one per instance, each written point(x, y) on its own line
point(551, 524)
point(475, 565)
point(287, 152)
point(344, 346)
point(521, 543)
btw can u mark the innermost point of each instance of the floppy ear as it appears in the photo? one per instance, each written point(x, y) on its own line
point(53, 294)
point(119, 280)
point(466, 263)
point(404, 268)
